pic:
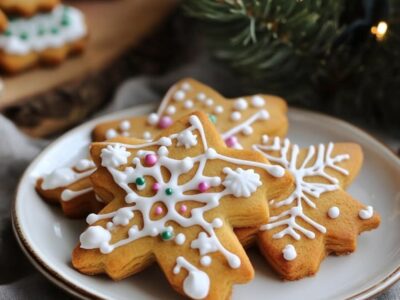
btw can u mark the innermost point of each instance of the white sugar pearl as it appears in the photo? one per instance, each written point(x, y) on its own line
point(240, 104)
point(111, 133)
point(236, 116)
point(201, 97)
point(247, 130)
point(219, 109)
point(147, 135)
point(125, 125)
point(152, 119)
point(209, 102)
point(333, 212)
point(186, 86)
point(188, 104)
point(205, 261)
point(257, 101)
point(179, 95)
point(171, 110)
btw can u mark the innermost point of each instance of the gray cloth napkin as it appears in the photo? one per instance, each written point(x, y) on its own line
point(18, 278)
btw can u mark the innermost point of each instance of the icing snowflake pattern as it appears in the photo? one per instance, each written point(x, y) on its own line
point(303, 189)
point(239, 182)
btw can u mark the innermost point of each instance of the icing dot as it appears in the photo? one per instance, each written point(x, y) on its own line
point(140, 181)
point(188, 104)
point(240, 104)
point(94, 237)
point(166, 235)
point(111, 133)
point(169, 191)
point(84, 164)
point(257, 101)
point(179, 95)
point(23, 36)
point(153, 119)
point(217, 223)
point(333, 212)
point(203, 186)
point(183, 208)
point(289, 252)
point(209, 102)
point(247, 130)
point(125, 125)
point(147, 135)
point(186, 86)
point(159, 210)
point(212, 118)
point(171, 110)
point(150, 160)
point(205, 261)
point(219, 109)
point(156, 186)
point(165, 122)
point(367, 213)
point(201, 97)
point(92, 218)
point(180, 239)
point(236, 116)
point(231, 141)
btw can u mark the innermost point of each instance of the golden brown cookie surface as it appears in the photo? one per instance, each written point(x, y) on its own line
point(316, 217)
point(27, 7)
point(175, 201)
point(241, 121)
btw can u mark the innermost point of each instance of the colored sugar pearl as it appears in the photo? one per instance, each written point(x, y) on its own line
point(156, 186)
point(140, 181)
point(169, 191)
point(212, 118)
point(159, 210)
point(150, 160)
point(165, 122)
point(167, 235)
point(231, 141)
point(183, 208)
point(203, 186)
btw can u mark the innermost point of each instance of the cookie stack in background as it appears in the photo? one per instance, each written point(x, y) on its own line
point(192, 184)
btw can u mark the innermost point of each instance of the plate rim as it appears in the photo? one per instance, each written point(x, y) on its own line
point(62, 282)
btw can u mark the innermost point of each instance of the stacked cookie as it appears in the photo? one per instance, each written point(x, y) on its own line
point(193, 184)
point(39, 31)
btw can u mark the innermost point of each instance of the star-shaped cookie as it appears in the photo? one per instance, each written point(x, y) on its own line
point(316, 217)
point(175, 201)
point(241, 121)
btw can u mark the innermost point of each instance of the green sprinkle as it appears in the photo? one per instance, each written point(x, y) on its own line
point(23, 36)
point(7, 32)
point(65, 21)
point(167, 235)
point(54, 30)
point(140, 181)
point(169, 191)
point(212, 118)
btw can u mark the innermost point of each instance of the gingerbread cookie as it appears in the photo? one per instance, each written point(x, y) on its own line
point(3, 21)
point(45, 38)
point(241, 121)
point(27, 8)
point(317, 217)
point(72, 189)
point(176, 199)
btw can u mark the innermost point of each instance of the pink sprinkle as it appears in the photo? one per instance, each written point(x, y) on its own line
point(203, 186)
point(156, 186)
point(183, 208)
point(165, 122)
point(159, 210)
point(231, 141)
point(150, 160)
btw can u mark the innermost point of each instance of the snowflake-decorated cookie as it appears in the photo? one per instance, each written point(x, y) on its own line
point(316, 217)
point(176, 199)
point(241, 121)
point(45, 37)
point(27, 7)
point(71, 188)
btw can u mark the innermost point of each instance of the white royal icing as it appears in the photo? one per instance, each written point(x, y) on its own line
point(236, 116)
point(366, 213)
point(240, 104)
point(187, 139)
point(171, 110)
point(241, 183)
point(125, 125)
point(209, 102)
point(68, 195)
point(179, 95)
point(188, 104)
point(206, 260)
point(257, 101)
point(333, 212)
point(54, 29)
point(111, 133)
point(197, 283)
point(323, 159)
point(219, 109)
point(289, 252)
point(180, 239)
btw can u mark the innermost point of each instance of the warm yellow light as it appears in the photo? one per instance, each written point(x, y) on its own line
point(380, 30)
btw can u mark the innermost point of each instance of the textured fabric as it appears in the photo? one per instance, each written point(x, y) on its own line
point(18, 278)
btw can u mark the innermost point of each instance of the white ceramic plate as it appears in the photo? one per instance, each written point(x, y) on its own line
point(47, 237)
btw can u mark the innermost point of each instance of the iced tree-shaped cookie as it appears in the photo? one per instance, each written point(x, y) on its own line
point(240, 121)
point(316, 217)
point(176, 199)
